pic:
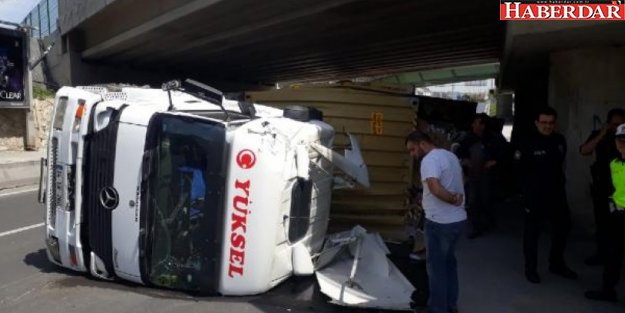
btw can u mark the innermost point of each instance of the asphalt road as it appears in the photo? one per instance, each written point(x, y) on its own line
point(29, 283)
point(490, 273)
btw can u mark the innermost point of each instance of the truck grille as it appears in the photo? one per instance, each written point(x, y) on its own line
point(99, 173)
point(53, 202)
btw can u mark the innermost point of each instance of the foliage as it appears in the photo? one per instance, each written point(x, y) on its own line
point(42, 93)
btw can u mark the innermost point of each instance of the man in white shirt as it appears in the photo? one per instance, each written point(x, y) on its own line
point(443, 203)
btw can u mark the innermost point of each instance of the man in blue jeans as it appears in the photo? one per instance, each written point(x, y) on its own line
point(443, 203)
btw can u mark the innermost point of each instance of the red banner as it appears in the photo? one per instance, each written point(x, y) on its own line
point(562, 11)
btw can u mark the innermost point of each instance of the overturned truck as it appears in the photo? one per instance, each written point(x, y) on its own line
point(181, 188)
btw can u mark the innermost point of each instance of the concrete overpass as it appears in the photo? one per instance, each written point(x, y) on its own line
point(263, 42)
point(576, 67)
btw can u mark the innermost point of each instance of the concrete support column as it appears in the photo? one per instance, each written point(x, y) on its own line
point(530, 93)
point(584, 84)
point(504, 105)
point(30, 138)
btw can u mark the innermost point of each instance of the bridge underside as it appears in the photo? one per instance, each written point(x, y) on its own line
point(261, 42)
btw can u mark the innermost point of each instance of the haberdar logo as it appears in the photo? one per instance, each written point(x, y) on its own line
point(547, 10)
point(246, 159)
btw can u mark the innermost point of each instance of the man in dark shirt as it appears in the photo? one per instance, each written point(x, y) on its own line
point(601, 142)
point(478, 153)
point(542, 161)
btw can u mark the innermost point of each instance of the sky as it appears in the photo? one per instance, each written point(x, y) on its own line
point(16, 10)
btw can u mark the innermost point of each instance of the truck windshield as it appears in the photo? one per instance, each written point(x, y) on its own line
point(183, 210)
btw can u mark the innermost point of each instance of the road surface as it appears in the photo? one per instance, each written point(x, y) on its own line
point(490, 271)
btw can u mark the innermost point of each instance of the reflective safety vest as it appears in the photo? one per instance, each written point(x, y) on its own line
point(617, 169)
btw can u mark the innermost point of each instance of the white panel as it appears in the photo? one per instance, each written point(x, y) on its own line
point(125, 223)
point(139, 115)
point(262, 212)
point(69, 150)
point(377, 282)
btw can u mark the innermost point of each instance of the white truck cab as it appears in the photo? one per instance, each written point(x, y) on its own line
point(183, 189)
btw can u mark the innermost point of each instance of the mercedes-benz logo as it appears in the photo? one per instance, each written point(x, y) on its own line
point(109, 198)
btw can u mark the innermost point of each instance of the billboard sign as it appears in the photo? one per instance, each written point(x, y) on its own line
point(13, 69)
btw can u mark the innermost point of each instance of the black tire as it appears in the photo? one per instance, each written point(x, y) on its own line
point(302, 114)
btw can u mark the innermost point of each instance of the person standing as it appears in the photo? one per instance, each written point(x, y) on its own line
point(478, 154)
point(601, 142)
point(542, 171)
point(443, 203)
point(615, 225)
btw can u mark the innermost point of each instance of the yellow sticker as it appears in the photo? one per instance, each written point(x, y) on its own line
point(377, 123)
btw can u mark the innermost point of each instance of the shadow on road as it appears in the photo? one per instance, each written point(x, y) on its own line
point(39, 259)
point(296, 294)
point(71, 279)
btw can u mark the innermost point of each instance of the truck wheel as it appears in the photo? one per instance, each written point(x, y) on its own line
point(302, 113)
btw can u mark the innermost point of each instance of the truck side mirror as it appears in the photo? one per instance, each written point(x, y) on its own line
point(247, 108)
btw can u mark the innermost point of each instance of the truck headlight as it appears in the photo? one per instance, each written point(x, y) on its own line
point(80, 110)
point(59, 115)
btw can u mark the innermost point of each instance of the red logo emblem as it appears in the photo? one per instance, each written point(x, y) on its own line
point(246, 159)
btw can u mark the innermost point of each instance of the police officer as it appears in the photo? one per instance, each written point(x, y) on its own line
point(542, 160)
point(478, 155)
point(601, 142)
point(615, 225)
